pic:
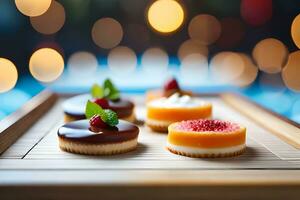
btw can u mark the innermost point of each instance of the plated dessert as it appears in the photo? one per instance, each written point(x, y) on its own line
point(106, 96)
point(171, 87)
point(206, 138)
point(164, 111)
point(102, 133)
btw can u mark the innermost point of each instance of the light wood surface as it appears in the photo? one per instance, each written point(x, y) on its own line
point(270, 167)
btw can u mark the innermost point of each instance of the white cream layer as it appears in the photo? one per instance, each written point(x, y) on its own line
point(193, 150)
point(176, 101)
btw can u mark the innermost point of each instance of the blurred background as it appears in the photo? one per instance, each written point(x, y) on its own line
point(247, 46)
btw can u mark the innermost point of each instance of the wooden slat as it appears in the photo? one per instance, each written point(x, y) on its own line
point(14, 125)
point(33, 135)
point(284, 129)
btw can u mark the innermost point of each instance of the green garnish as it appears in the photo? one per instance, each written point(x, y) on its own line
point(108, 116)
point(108, 90)
point(97, 91)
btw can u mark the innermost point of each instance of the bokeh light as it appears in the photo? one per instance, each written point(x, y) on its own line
point(249, 73)
point(107, 33)
point(165, 16)
point(122, 60)
point(46, 65)
point(270, 55)
point(204, 28)
point(82, 63)
point(291, 71)
point(189, 47)
point(256, 12)
point(33, 8)
point(226, 67)
point(8, 75)
point(51, 21)
point(233, 31)
point(155, 60)
point(194, 68)
point(295, 30)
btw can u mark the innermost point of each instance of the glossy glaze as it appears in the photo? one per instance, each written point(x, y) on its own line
point(79, 131)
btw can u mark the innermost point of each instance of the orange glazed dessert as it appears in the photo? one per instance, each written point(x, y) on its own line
point(206, 138)
point(171, 87)
point(165, 111)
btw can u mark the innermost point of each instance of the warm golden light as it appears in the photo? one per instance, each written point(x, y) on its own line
point(291, 71)
point(107, 33)
point(46, 65)
point(8, 75)
point(165, 16)
point(270, 55)
point(295, 30)
point(191, 47)
point(249, 73)
point(51, 21)
point(204, 28)
point(82, 63)
point(122, 60)
point(226, 67)
point(33, 8)
point(155, 60)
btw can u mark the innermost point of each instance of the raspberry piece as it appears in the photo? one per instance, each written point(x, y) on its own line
point(97, 122)
point(102, 102)
point(171, 85)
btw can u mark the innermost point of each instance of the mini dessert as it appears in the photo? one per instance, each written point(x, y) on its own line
point(165, 111)
point(107, 96)
point(206, 138)
point(171, 87)
point(102, 134)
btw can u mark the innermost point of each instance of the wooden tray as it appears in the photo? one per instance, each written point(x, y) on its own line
point(35, 168)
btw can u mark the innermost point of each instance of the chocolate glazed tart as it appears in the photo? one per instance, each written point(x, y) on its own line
point(77, 137)
point(74, 108)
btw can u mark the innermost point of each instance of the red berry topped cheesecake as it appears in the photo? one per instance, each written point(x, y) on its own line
point(206, 138)
point(106, 96)
point(170, 87)
point(102, 133)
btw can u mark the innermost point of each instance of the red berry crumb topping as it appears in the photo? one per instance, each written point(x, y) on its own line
point(97, 122)
point(102, 102)
point(206, 125)
point(171, 85)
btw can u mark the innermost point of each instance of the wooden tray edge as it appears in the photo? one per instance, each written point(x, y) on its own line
point(14, 125)
point(282, 127)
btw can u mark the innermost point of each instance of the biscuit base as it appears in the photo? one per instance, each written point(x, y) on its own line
point(97, 149)
point(207, 155)
point(158, 126)
point(70, 118)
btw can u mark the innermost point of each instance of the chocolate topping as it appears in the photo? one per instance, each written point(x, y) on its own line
point(79, 131)
point(123, 108)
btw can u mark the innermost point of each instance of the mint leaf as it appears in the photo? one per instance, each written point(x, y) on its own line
point(110, 117)
point(97, 91)
point(92, 109)
point(110, 90)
